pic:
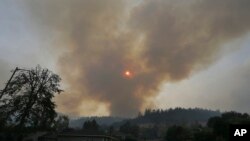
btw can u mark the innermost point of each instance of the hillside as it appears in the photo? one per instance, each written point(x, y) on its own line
point(156, 116)
point(172, 116)
point(105, 121)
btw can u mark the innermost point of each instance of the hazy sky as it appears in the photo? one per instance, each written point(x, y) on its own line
point(180, 54)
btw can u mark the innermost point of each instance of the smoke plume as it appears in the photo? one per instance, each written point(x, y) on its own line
point(156, 40)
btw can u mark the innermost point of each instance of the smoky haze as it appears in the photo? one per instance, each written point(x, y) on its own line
point(158, 41)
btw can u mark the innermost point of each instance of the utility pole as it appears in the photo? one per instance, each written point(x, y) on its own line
point(6, 86)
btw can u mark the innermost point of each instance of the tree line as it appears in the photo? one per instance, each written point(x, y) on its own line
point(175, 115)
point(217, 128)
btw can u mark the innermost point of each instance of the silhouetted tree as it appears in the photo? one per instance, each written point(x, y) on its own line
point(150, 132)
point(111, 130)
point(204, 134)
point(129, 128)
point(220, 125)
point(62, 122)
point(139, 115)
point(178, 133)
point(27, 101)
point(177, 116)
point(90, 125)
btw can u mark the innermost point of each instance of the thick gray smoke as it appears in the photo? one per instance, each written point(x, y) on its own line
point(157, 40)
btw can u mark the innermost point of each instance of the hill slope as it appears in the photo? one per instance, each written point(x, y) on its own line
point(78, 123)
point(172, 116)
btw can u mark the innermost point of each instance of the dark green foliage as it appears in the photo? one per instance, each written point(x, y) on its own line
point(107, 121)
point(149, 132)
point(130, 129)
point(27, 100)
point(91, 125)
point(217, 129)
point(62, 123)
point(220, 125)
point(153, 123)
point(204, 134)
point(175, 116)
point(111, 130)
point(178, 133)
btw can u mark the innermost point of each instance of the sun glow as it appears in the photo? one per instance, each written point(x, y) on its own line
point(128, 74)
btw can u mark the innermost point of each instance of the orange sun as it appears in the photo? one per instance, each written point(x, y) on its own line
point(128, 74)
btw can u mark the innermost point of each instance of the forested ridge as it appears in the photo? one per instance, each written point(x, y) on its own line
point(155, 116)
point(174, 116)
